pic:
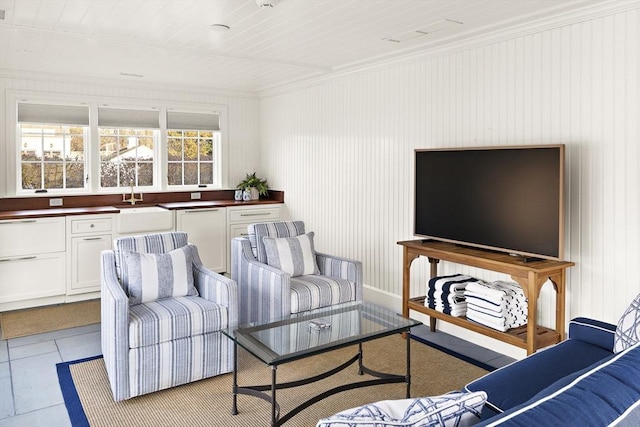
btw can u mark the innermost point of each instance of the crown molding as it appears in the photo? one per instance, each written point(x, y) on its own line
point(470, 40)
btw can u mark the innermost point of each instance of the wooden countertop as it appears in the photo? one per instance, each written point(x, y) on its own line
point(40, 213)
point(195, 204)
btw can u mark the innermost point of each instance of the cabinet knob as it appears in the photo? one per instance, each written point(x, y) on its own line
point(92, 225)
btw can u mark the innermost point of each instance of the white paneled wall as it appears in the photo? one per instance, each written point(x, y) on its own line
point(342, 150)
point(243, 115)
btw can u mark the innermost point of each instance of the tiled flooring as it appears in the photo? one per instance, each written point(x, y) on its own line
point(30, 395)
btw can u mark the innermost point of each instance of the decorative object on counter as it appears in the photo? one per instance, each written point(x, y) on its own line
point(256, 186)
point(238, 195)
point(246, 195)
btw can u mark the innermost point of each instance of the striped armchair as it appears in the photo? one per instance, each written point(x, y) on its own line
point(266, 292)
point(152, 342)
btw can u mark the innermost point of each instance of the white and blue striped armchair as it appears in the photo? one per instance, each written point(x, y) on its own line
point(266, 292)
point(164, 342)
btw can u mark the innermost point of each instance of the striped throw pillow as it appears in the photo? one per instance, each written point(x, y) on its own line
point(157, 276)
point(293, 255)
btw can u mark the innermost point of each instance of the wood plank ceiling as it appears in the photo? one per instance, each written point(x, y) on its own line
point(172, 41)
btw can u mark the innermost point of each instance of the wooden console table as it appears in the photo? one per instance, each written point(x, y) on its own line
point(529, 275)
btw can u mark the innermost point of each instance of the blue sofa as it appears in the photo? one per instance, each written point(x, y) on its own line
point(578, 382)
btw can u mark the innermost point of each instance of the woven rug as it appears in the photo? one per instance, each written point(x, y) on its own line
point(30, 321)
point(88, 398)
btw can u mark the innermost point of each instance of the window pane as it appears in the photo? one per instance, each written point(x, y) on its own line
point(109, 175)
point(190, 174)
point(75, 175)
point(191, 149)
point(145, 174)
point(174, 173)
point(53, 175)
point(31, 176)
point(206, 173)
point(174, 149)
point(206, 150)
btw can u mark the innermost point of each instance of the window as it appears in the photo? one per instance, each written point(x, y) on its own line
point(193, 141)
point(128, 140)
point(52, 141)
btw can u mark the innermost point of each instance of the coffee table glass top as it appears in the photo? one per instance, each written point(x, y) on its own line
point(293, 337)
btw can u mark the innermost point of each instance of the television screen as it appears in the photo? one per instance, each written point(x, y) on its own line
point(508, 199)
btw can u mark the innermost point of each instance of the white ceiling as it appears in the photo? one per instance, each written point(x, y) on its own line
point(171, 41)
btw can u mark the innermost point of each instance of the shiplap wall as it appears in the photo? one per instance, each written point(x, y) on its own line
point(342, 150)
point(243, 115)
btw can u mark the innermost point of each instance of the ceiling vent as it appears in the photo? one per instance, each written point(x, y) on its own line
point(409, 35)
point(266, 3)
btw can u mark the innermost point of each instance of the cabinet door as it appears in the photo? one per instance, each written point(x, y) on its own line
point(85, 262)
point(34, 276)
point(207, 229)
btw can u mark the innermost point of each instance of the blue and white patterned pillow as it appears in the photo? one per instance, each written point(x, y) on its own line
point(628, 330)
point(293, 255)
point(157, 276)
point(454, 409)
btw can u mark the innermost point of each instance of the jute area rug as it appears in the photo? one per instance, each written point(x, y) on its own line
point(208, 402)
point(30, 321)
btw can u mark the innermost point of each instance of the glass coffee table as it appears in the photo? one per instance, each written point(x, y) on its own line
point(315, 332)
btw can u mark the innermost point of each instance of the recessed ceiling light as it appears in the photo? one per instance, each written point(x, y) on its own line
point(266, 3)
point(409, 35)
point(219, 28)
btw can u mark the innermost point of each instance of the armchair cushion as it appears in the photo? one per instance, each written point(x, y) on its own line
point(150, 277)
point(174, 318)
point(311, 292)
point(293, 255)
point(628, 330)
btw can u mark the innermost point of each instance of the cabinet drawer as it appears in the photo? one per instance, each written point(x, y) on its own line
point(30, 277)
point(91, 225)
point(255, 215)
point(32, 236)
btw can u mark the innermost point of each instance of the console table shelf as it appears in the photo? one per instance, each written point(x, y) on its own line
point(531, 276)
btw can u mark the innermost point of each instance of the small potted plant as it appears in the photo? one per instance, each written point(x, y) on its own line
point(256, 186)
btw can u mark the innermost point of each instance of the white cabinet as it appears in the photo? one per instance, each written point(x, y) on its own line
point(207, 230)
point(88, 236)
point(239, 217)
point(32, 262)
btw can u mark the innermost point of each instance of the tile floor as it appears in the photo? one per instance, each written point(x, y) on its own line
point(30, 395)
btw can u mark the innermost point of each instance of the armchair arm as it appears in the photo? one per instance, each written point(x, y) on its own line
point(114, 327)
point(343, 268)
point(264, 292)
point(216, 288)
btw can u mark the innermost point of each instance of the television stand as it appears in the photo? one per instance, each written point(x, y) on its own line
point(530, 275)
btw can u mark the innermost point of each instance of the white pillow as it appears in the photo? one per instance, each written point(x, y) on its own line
point(156, 276)
point(293, 255)
point(454, 409)
point(628, 330)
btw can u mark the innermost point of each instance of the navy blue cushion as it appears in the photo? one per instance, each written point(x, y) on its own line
point(608, 392)
point(518, 382)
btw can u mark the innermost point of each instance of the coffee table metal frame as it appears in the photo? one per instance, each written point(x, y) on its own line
point(373, 322)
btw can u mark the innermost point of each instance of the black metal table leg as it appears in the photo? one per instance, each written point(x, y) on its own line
point(234, 407)
point(273, 396)
point(408, 379)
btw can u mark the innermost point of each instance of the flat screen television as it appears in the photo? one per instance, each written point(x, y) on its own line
point(507, 199)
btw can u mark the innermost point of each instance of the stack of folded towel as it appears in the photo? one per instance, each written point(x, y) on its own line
point(446, 294)
point(498, 305)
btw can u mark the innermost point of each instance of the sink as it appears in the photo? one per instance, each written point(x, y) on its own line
point(144, 220)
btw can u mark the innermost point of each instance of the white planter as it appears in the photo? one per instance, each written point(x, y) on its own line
point(254, 193)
